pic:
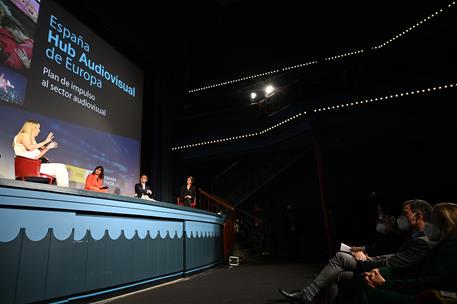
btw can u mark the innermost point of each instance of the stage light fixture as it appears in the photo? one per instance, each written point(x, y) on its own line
point(323, 109)
point(269, 89)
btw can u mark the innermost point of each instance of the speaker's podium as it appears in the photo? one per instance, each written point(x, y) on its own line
point(60, 244)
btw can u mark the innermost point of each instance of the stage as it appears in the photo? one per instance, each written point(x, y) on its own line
point(59, 244)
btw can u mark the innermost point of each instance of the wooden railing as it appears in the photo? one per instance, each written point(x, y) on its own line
point(213, 203)
point(216, 204)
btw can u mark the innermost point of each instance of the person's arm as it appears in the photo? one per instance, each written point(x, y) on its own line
point(358, 248)
point(411, 279)
point(437, 271)
point(374, 278)
point(141, 191)
point(406, 260)
point(443, 281)
point(193, 192)
point(145, 190)
point(149, 191)
point(409, 254)
point(26, 140)
point(138, 190)
point(88, 184)
point(360, 256)
point(91, 182)
point(100, 185)
point(23, 57)
point(44, 150)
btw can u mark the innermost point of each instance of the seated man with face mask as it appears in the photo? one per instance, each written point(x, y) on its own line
point(435, 273)
point(388, 238)
point(415, 214)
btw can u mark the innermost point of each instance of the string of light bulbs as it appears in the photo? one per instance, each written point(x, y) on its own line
point(253, 76)
point(344, 55)
point(426, 19)
point(349, 104)
point(376, 47)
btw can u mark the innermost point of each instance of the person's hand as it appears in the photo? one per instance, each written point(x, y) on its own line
point(359, 255)
point(357, 248)
point(149, 192)
point(368, 281)
point(374, 278)
point(52, 145)
point(24, 58)
point(49, 138)
point(187, 196)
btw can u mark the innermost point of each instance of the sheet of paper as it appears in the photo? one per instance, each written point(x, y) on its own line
point(448, 294)
point(345, 248)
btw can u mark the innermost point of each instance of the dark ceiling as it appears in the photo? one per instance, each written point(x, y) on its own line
point(188, 45)
point(206, 42)
point(225, 39)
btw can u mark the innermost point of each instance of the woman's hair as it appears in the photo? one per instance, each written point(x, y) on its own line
point(446, 216)
point(102, 175)
point(27, 128)
point(191, 179)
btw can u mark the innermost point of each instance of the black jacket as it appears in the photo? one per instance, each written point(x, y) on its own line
point(139, 191)
point(191, 192)
point(412, 252)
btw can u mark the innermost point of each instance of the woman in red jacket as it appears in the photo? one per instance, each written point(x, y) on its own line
point(94, 181)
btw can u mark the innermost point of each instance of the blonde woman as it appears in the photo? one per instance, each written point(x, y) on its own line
point(25, 145)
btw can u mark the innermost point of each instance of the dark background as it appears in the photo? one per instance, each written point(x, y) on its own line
point(399, 149)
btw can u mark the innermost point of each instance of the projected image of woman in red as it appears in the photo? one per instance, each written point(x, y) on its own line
point(16, 32)
point(16, 45)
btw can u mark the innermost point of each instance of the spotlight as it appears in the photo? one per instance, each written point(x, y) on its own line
point(269, 89)
point(253, 95)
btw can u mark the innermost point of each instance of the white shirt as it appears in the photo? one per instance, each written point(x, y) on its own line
point(20, 150)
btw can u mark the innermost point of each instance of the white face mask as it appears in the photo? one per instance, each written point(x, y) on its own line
point(403, 223)
point(381, 228)
point(433, 232)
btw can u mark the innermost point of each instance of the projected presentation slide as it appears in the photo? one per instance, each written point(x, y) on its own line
point(55, 70)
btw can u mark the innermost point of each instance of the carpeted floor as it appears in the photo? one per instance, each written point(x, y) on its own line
point(247, 283)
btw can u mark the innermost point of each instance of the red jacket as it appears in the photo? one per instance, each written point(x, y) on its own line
point(93, 183)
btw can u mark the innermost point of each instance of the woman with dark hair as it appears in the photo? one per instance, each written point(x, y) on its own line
point(94, 181)
point(188, 192)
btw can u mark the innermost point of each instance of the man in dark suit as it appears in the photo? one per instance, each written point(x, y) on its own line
point(343, 266)
point(142, 190)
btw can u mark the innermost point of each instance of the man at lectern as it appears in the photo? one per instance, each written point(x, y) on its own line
point(143, 190)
